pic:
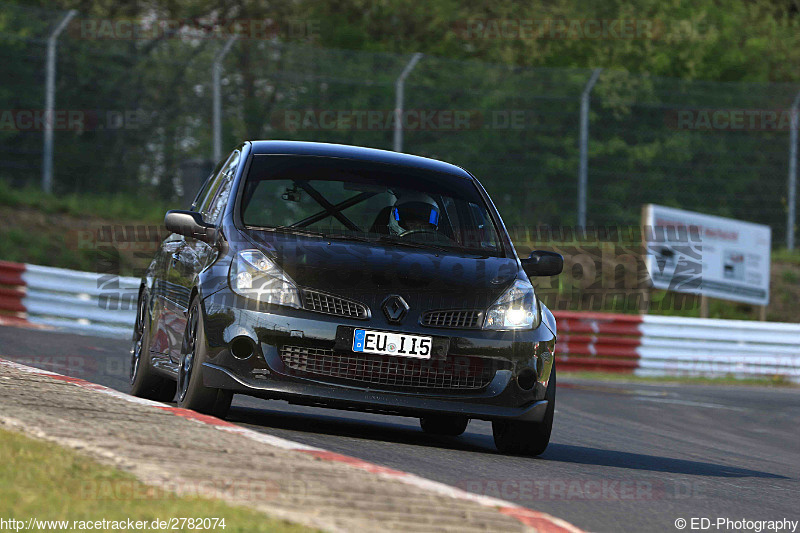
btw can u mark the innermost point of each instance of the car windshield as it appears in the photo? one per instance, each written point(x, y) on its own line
point(361, 200)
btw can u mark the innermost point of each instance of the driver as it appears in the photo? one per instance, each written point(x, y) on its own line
point(413, 211)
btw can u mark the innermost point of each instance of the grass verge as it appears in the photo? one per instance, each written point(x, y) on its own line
point(44, 481)
point(116, 207)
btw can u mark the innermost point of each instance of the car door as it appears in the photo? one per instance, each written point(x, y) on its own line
point(164, 304)
point(161, 294)
point(193, 255)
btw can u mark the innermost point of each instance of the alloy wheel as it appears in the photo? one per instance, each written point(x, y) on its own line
point(189, 348)
point(136, 350)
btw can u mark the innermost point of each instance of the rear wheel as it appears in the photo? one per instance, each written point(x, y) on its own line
point(450, 425)
point(145, 382)
point(527, 438)
point(192, 394)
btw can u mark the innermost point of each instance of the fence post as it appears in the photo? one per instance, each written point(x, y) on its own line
point(792, 185)
point(583, 165)
point(216, 72)
point(399, 87)
point(50, 102)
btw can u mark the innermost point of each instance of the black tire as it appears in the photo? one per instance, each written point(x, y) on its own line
point(448, 425)
point(527, 438)
point(145, 382)
point(192, 394)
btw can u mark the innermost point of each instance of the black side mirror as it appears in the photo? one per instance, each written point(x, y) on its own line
point(542, 263)
point(190, 224)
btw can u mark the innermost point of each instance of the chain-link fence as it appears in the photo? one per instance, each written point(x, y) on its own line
point(133, 114)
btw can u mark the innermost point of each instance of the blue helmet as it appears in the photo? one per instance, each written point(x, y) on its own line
point(414, 211)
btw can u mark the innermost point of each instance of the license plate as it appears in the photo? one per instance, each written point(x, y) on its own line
point(396, 344)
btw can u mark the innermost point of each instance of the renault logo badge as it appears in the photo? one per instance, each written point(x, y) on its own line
point(395, 308)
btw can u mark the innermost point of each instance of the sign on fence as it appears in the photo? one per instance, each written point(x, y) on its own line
point(703, 254)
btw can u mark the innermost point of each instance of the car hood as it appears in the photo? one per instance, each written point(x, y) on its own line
point(370, 272)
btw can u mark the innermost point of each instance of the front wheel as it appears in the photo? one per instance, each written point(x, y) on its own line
point(192, 394)
point(145, 383)
point(527, 438)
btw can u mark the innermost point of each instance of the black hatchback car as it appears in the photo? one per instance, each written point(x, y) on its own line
point(350, 278)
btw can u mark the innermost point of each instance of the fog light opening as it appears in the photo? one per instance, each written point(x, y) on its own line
point(242, 347)
point(527, 379)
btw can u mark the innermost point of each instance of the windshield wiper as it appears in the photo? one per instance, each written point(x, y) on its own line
point(383, 239)
point(358, 238)
point(289, 230)
point(451, 249)
point(414, 244)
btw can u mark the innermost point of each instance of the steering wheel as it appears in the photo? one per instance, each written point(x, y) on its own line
point(418, 231)
point(437, 236)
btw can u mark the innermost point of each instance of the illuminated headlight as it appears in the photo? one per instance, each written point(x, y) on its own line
point(515, 309)
point(254, 276)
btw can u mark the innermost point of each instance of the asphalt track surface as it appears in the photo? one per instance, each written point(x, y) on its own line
point(623, 456)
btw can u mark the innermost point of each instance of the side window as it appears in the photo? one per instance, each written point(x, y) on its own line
point(204, 187)
point(483, 236)
point(202, 192)
point(217, 197)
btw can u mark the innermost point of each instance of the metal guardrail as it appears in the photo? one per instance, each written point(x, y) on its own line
point(651, 345)
point(676, 345)
point(105, 305)
point(84, 302)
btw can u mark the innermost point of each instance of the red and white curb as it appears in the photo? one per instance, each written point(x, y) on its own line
point(542, 522)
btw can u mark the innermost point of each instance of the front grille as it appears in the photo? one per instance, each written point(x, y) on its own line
point(333, 305)
point(454, 373)
point(464, 319)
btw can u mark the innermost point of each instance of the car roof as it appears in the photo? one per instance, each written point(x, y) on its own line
point(345, 151)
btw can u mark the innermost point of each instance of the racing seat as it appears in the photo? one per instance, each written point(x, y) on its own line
point(381, 224)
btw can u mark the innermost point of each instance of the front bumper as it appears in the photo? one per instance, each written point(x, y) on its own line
point(404, 404)
point(264, 374)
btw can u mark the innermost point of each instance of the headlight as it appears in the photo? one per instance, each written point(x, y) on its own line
point(253, 275)
point(515, 309)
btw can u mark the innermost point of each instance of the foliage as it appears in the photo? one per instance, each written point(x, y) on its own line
point(149, 99)
point(117, 207)
point(722, 40)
